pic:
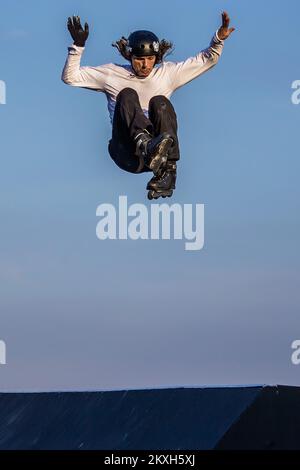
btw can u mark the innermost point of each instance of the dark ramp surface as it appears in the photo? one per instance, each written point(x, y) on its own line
point(272, 422)
point(182, 418)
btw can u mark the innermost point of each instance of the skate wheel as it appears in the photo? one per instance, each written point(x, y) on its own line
point(156, 195)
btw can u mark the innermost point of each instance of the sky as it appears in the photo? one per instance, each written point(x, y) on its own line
point(79, 313)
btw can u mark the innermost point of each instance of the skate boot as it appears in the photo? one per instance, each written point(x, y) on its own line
point(163, 184)
point(153, 150)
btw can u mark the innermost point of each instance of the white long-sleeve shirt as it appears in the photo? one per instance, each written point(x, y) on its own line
point(164, 79)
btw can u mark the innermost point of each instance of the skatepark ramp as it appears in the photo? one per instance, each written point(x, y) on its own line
point(254, 417)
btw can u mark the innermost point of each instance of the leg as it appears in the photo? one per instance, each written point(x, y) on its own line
point(128, 121)
point(129, 118)
point(164, 119)
point(132, 146)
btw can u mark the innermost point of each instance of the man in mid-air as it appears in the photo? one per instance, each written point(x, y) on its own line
point(144, 122)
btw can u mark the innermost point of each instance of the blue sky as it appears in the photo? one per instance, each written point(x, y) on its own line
point(80, 313)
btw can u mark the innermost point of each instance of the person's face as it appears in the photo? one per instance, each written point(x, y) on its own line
point(143, 65)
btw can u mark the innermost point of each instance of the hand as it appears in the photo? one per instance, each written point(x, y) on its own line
point(224, 32)
point(78, 34)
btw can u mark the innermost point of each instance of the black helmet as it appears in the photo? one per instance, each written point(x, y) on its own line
point(143, 43)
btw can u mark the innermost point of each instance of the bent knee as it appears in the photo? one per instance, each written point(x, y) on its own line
point(159, 102)
point(127, 93)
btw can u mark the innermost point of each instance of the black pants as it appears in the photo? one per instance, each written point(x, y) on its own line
point(129, 120)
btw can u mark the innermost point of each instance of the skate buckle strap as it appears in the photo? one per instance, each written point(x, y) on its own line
point(141, 144)
point(143, 132)
point(142, 140)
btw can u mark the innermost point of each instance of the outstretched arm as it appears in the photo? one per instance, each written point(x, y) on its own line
point(73, 74)
point(185, 71)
